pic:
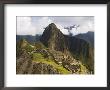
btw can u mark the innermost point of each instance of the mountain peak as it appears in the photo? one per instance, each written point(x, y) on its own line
point(51, 26)
point(53, 38)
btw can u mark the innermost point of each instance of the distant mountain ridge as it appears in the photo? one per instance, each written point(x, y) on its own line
point(89, 37)
point(28, 38)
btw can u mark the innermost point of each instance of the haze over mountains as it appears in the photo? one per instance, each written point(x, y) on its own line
point(55, 53)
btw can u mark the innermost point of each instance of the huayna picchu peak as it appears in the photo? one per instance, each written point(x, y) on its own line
point(52, 26)
point(53, 38)
point(55, 53)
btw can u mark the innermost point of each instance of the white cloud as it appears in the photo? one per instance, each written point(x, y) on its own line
point(36, 25)
point(64, 31)
point(24, 26)
point(41, 24)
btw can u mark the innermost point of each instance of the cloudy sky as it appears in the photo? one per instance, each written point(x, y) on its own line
point(35, 25)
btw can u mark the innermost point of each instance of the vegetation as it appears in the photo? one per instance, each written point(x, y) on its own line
point(39, 45)
point(37, 57)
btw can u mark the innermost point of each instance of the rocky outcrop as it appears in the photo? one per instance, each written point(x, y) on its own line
point(53, 38)
point(25, 65)
point(42, 68)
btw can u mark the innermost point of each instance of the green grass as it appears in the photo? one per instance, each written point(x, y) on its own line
point(29, 48)
point(39, 45)
point(37, 57)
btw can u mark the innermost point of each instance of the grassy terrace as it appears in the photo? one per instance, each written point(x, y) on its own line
point(37, 57)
